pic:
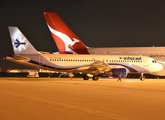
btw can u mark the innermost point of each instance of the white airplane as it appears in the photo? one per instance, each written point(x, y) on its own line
point(26, 54)
point(64, 37)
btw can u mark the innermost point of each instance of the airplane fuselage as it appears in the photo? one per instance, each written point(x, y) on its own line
point(82, 63)
point(158, 53)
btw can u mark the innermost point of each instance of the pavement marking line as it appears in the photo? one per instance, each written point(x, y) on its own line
point(77, 108)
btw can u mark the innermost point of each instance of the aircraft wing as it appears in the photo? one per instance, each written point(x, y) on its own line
point(99, 67)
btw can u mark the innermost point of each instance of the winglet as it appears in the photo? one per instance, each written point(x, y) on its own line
point(20, 43)
point(94, 60)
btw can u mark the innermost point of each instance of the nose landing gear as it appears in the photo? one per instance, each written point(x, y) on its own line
point(142, 78)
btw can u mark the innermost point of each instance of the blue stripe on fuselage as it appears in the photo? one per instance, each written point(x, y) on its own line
point(129, 68)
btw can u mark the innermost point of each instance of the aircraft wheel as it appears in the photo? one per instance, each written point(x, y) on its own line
point(95, 78)
point(142, 78)
point(86, 78)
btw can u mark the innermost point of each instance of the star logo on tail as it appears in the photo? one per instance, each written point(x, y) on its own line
point(20, 43)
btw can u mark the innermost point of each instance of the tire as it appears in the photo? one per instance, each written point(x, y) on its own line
point(142, 78)
point(95, 78)
point(86, 78)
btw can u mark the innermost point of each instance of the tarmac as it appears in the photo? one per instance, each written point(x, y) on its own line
point(77, 99)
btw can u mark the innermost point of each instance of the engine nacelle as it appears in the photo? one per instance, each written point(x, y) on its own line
point(103, 75)
point(115, 72)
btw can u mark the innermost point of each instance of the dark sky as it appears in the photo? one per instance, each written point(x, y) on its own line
point(98, 23)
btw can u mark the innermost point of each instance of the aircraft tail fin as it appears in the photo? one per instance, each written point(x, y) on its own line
point(20, 43)
point(63, 36)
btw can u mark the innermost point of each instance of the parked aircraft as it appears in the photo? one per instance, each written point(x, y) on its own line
point(64, 37)
point(112, 65)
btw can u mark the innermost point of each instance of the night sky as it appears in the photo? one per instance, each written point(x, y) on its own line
point(98, 23)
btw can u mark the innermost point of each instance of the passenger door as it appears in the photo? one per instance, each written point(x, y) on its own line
point(41, 60)
point(145, 62)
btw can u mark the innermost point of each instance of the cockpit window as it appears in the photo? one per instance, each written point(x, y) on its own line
point(154, 61)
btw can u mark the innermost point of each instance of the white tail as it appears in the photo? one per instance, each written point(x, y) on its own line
point(20, 43)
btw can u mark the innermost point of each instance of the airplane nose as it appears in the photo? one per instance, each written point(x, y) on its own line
point(160, 67)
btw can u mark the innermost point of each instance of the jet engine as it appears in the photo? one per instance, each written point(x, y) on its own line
point(115, 72)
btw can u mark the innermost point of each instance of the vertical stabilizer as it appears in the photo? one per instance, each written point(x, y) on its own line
point(64, 37)
point(20, 43)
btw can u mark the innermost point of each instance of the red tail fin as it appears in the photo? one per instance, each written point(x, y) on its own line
point(65, 39)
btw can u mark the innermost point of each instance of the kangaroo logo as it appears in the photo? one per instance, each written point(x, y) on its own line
point(20, 43)
point(72, 43)
point(66, 39)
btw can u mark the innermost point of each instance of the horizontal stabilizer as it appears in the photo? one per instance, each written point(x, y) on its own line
point(18, 57)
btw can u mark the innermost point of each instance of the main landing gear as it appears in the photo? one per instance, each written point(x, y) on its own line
point(95, 78)
point(86, 77)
